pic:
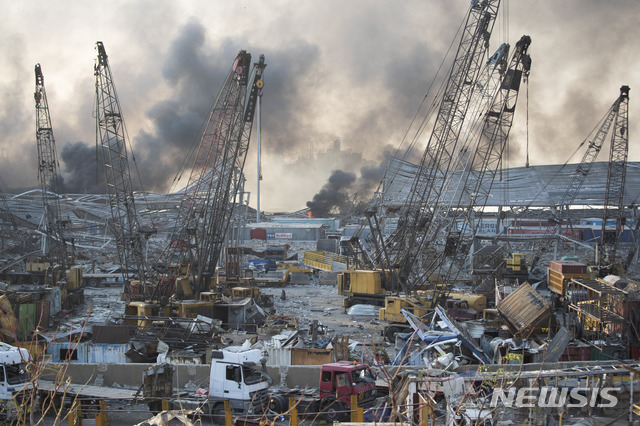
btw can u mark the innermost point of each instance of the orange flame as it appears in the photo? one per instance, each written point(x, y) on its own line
point(309, 214)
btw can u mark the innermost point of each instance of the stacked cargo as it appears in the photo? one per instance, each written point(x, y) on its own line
point(562, 271)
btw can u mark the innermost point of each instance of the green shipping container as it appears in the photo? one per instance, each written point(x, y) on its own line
point(608, 353)
point(26, 320)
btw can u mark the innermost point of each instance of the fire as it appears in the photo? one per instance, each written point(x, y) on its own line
point(309, 214)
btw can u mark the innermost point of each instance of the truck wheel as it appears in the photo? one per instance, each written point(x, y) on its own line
point(218, 414)
point(390, 334)
point(333, 410)
point(278, 404)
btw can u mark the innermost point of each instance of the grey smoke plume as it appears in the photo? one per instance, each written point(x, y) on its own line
point(84, 174)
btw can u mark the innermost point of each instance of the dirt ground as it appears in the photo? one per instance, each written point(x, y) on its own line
point(311, 302)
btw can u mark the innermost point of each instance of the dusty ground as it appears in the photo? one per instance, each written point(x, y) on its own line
point(311, 302)
point(307, 302)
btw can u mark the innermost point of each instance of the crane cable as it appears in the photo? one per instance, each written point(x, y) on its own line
point(527, 126)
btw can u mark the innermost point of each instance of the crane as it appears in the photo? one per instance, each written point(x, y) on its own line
point(129, 235)
point(54, 243)
point(583, 168)
point(485, 163)
point(614, 195)
point(210, 196)
point(421, 220)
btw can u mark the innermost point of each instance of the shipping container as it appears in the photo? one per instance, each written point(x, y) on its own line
point(524, 310)
point(560, 272)
point(579, 352)
point(258, 234)
point(568, 267)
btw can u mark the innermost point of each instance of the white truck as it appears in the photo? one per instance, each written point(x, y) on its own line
point(236, 375)
point(15, 382)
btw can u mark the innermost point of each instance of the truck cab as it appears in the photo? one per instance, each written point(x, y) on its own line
point(14, 379)
point(339, 381)
point(237, 377)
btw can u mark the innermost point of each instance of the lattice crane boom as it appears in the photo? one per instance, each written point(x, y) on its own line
point(616, 175)
point(420, 221)
point(55, 247)
point(485, 163)
point(112, 139)
point(210, 196)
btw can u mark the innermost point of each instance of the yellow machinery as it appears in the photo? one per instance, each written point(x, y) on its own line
point(517, 262)
point(244, 292)
point(144, 312)
point(393, 306)
point(363, 286)
point(392, 313)
point(209, 296)
point(74, 278)
point(286, 277)
point(476, 302)
point(188, 308)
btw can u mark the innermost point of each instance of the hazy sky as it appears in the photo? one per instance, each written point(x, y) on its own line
point(355, 69)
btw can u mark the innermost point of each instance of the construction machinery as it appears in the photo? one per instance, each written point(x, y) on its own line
point(125, 225)
point(617, 113)
point(187, 267)
point(607, 260)
point(428, 217)
point(54, 246)
point(424, 214)
point(214, 184)
point(364, 287)
point(51, 269)
point(397, 255)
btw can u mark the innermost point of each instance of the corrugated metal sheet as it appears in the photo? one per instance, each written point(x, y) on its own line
point(87, 352)
point(279, 357)
point(524, 310)
point(68, 351)
point(99, 353)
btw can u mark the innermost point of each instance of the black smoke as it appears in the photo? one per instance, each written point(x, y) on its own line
point(334, 195)
point(349, 194)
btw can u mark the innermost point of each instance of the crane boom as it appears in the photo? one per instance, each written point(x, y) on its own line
point(419, 222)
point(485, 163)
point(210, 195)
point(54, 247)
point(616, 175)
point(111, 134)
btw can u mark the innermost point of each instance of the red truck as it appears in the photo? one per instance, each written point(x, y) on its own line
point(338, 382)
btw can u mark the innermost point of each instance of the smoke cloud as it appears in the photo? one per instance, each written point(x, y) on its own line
point(84, 173)
point(333, 195)
point(360, 74)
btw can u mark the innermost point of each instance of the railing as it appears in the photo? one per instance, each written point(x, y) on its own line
point(325, 260)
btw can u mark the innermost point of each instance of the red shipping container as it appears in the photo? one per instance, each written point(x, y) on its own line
point(576, 353)
point(258, 234)
point(635, 352)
